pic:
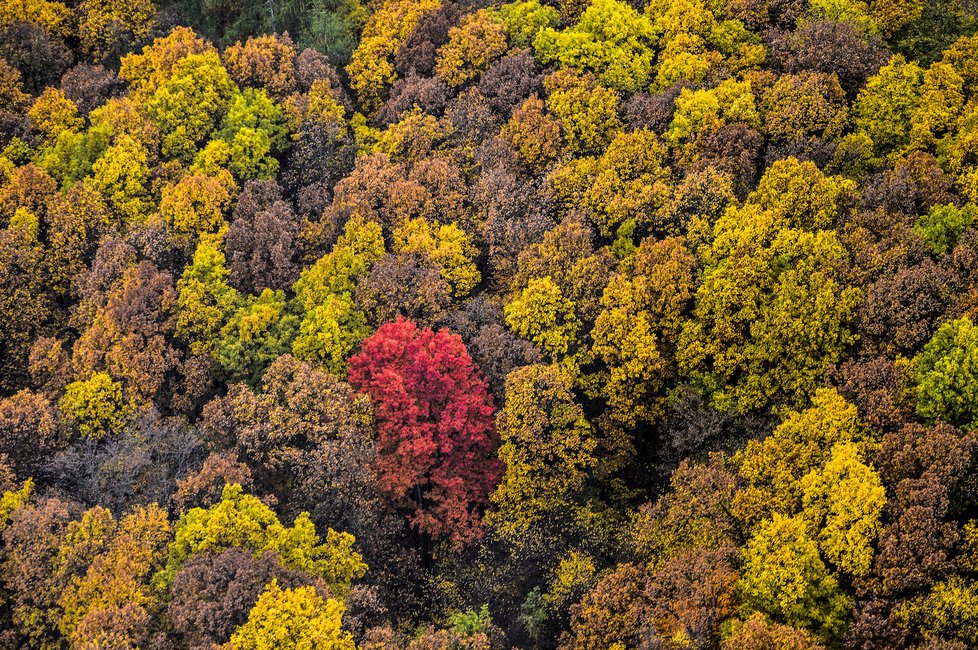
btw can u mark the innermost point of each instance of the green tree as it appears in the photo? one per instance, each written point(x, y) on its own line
point(260, 331)
point(206, 301)
point(773, 468)
point(943, 375)
point(332, 325)
point(543, 315)
point(636, 332)
point(190, 104)
point(121, 174)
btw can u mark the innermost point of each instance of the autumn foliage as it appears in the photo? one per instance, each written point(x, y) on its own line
point(435, 432)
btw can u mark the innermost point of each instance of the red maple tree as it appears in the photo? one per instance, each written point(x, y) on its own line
point(436, 438)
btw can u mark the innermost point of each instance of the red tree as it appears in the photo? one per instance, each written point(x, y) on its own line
point(436, 439)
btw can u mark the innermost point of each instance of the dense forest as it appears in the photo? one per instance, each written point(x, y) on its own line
point(461, 325)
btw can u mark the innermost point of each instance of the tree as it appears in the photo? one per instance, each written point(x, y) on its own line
point(132, 336)
point(241, 520)
point(267, 62)
point(435, 435)
point(109, 28)
point(612, 614)
point(117, 578)
point(205, 299)
point(775, 468)
point(95, 407)
point(549, 451)
point(32, 542)
point(784, 576)
point(472, 46)
point(588, 111)
point(636, 332)
point(510, 80)
point(52, 113)
point(332, 326)
point(630, 184)
point(283, 431)
point(843, 501)
point(806, 105)
point(293, 618)
point(534, 134)
point(262, 242)
point(28, 431)
point(611, 39)
point(212, 595)
point(260, 331)
point(758, 633)
point(543, 315)
point(941, 227)
point(195, 205)
point(941, 374)
point(407, 285)
point(121, 174)
point(188, 104)
point(371, 67)
point(448, 246)
point(774, 308)
point(886, 104)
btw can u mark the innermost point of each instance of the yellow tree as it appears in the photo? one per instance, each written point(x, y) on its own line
point(293, 618)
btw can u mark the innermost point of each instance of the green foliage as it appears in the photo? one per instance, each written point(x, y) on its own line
point(943, 377)
point(941, 227)
point(525, 19)
point(255, 335)
point(189, 105)
point(772, 313)
point(774, 468)
point(13, 499)
point(330, 331)
point(332, 325)
point(206, 301)
point(549, 450)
